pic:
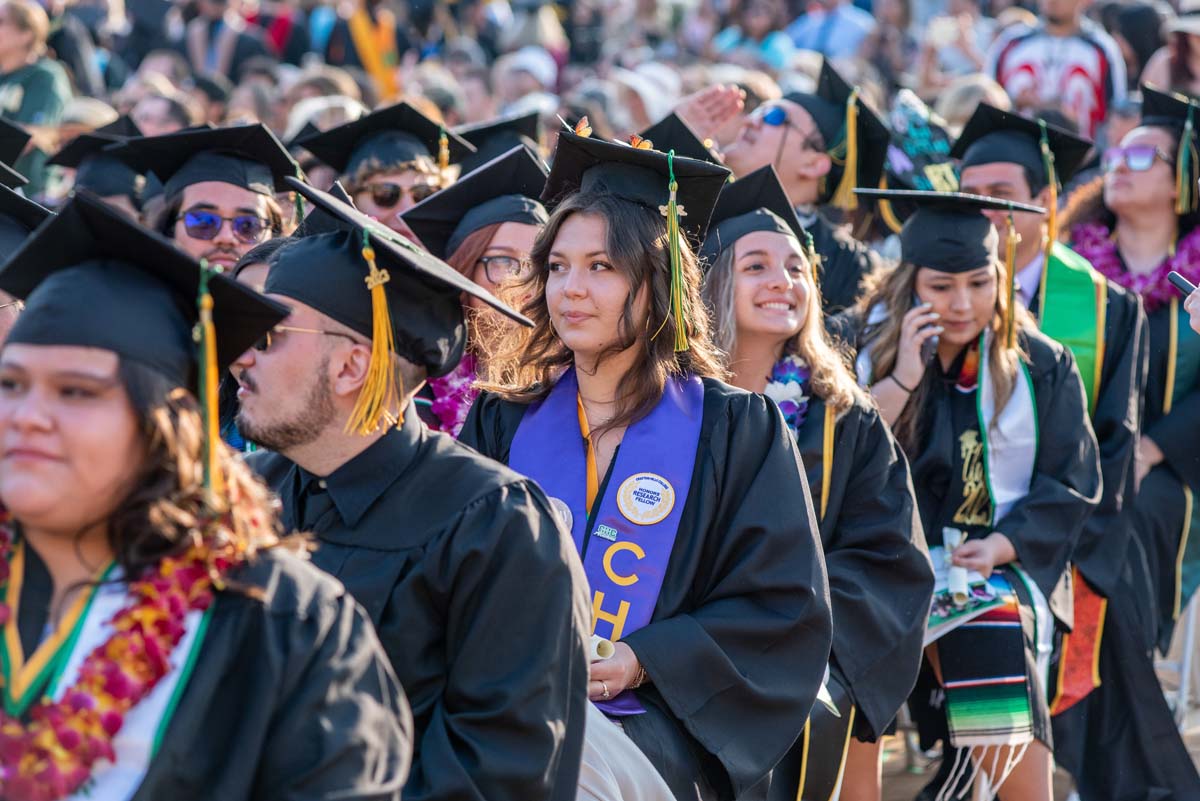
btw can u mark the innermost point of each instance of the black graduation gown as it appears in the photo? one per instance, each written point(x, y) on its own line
point(740, 636)
point(478, 599)
point(290, 697)
point(880, 577)
point(844, 263)
point(1103, 544)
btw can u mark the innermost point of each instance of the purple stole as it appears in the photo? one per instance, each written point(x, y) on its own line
point(625, 556)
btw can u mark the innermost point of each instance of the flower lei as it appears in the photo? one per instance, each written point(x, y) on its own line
point(788, 387)
point(52, 755)
point(1095, 243)
point(453, 395)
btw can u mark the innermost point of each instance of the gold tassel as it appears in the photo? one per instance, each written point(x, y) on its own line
point(1052, 182)
point(673, 211)
point(379, 393)
point(844, 197)
point(206, 336)
point(443, 150)
point(1185, 164)
point(814, 259)
point(1010, 280)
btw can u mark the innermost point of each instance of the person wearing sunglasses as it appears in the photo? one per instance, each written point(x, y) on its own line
point(390, 160)
point(805, 138)
point(1103, 325)
point(219, 188)
point(460, 562)
point(484, 227)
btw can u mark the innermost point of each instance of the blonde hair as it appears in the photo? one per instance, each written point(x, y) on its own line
point(832, 379)
point(892, 290)
point(29, 17)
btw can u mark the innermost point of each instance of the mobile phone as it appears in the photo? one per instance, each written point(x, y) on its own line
point(929, 346)
point(1182, 284)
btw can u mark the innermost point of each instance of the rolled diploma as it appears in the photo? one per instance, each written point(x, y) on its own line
point(601, 648)
point(956, 577)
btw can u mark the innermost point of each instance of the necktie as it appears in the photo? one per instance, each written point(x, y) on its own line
point(314, 504)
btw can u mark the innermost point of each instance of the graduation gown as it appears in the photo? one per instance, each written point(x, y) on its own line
point(739, 638)
point(844, 263)
point(290, 695)
point(478, 599)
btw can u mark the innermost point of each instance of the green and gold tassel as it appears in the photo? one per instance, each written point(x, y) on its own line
point(298, 198)
point(1052, 183)
point(1010, 268)
point(443, 149)
point(1185, 164)
point(844, 197)
point(673, 235)
point(379, 393)
point(205, 336)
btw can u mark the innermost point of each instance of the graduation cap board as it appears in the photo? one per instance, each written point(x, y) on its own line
point(855, 137)
point(949, 233)
point(96, 170)
point(1049, 155)
point(405, 300)
point(755, 202)
point(247, 156)
point(504, 190)
point(13, 139)
point(918, 156)
point(391, 136)
point(19, 216)
point(672, 133)
point(91, 277)
point(1178, 113)
point(496, 137)
point(320, 221)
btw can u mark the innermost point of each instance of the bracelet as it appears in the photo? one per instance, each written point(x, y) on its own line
point(639, 679)
point(896, 381)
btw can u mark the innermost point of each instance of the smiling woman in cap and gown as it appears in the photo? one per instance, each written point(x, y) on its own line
point(142, 565)
point(670, 481)
point(992, 416)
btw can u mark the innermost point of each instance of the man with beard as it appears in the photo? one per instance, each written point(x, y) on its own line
point(475, 591)
point(219, 188)
point(822, 146)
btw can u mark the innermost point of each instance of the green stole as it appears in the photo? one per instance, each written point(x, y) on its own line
point(1073, 304)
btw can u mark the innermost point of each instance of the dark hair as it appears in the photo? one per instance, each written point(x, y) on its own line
point(167, 215)
point(1141, 26)
point(636, 243)
point(158, 516)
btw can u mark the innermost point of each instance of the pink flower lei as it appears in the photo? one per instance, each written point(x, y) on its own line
point(453, 395)
point(1095, 243)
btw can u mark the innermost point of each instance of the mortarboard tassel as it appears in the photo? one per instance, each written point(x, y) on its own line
point(379, 393)
point(677, 301)
point(299, 198)
point(886, 211)
point(844, 197)
point(814, 259)
point(1185, 163)
point(443, 150)
point(206, 338)
point(1010, 280)
point(1052, 182)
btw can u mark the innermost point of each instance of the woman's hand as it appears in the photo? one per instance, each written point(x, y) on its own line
point(1148, 456)
point(1192, 305)
point(919, 325)
point(984, 555)
point(614, 674)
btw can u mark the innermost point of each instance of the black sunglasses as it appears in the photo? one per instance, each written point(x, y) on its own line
point(387, 195)
point(266, 340)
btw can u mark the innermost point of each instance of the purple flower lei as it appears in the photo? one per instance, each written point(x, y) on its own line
point(453, 395)
point(788, 387)
point(1095, 243)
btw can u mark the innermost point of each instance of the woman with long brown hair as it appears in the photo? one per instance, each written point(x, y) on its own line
point(159, 642)
point(993, 418)
point(484, 227)
point(673, 484)
point(760, 285)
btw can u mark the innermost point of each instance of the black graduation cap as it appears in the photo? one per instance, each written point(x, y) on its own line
point(755, 202)
point(308, 129)
point(19, 216)
point(639, 175)
point(672, 133)
point(248, 156)
point(503, 190)
point(856, 138)
point(394, 135)
point(13, 139)
point(496, 137)
point(319, 221)
point(948, 231)
point(97, 171)
point(91, 277)
point(1178, 113)
point(992, 135)
point(371, 279)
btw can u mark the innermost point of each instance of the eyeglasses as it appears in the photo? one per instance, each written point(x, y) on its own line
point(266, 340)
point(499, 269)
point(386, 195)
point(200, 224)
point(1138, 158)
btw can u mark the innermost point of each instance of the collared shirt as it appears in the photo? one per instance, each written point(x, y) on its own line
point(1029, 279)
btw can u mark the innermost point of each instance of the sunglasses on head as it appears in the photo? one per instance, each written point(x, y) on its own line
point(1138, 158)
point(387, 195)
point(200, 224)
